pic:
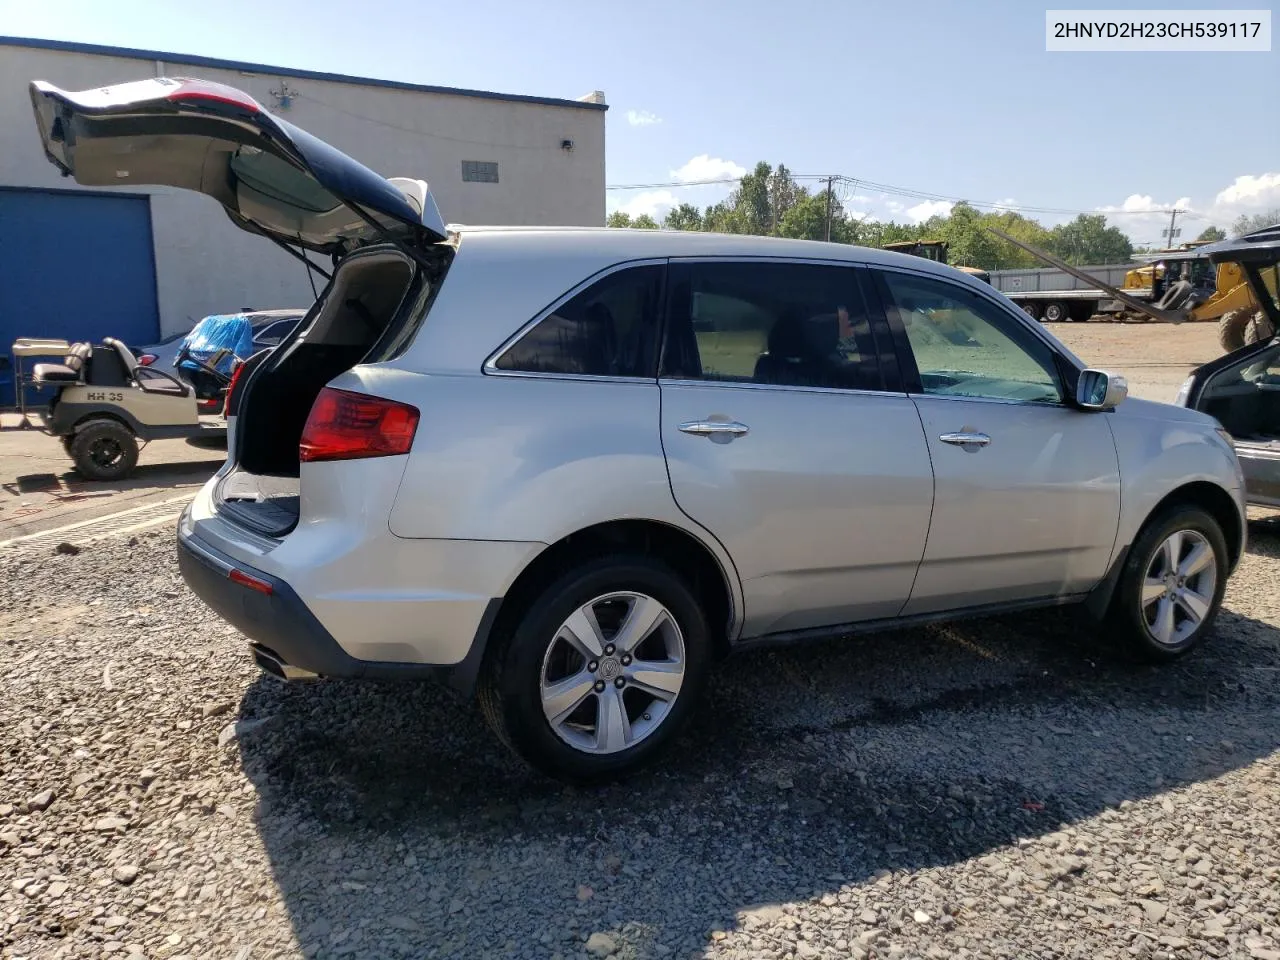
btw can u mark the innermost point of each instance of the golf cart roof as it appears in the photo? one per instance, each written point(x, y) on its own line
point(1260, 246)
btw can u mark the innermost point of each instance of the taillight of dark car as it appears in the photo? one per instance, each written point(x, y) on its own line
point(352, 426)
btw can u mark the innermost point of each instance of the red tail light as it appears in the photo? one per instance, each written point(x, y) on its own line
point(231, 387)
point(147, 359)
point(351, 426)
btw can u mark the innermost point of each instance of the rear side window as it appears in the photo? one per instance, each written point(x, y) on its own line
point(609, 329)
point(781, 324)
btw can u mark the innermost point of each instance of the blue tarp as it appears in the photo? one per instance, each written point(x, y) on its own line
point(220, 332)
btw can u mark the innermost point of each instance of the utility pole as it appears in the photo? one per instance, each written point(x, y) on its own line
point(830, 181)
point(1173, 218)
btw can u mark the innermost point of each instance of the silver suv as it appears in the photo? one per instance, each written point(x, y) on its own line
point(569, 469)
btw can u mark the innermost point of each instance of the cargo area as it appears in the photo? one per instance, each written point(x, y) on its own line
point(368, 311)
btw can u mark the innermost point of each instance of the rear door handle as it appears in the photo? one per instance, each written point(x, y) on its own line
point(965, 438)
point(715, 429)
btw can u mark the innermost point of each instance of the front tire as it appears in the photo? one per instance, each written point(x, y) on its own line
point(1171, 586)
point(105, 450)
point(601, 671)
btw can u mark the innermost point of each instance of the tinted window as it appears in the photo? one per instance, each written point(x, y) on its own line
point(965, 346)
point(273, 333)
point(784, 324)
point(609, 329)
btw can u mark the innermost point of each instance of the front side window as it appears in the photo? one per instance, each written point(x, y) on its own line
point(966, 347)
point(609, 329)
point(780, 324)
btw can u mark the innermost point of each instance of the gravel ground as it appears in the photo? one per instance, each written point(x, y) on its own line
point(996, 789)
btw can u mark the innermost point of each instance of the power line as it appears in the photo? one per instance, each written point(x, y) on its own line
point(912, 194)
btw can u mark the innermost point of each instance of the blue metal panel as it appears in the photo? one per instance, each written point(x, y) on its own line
point(75, 265)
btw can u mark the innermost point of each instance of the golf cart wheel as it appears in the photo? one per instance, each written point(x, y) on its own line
point(105, 450)
point(1231, 329)
point(1056, 312)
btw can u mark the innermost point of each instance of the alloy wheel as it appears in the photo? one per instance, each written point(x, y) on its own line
point(1178, 590)
point(612, 673)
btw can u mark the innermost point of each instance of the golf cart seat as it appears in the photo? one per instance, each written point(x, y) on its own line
point(148, 379)
point(70, 370)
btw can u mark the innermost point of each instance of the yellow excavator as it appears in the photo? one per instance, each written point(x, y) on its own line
point(1233, 303)
point(935, 250)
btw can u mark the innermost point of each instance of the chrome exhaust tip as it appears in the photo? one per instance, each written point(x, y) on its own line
point(271, 663)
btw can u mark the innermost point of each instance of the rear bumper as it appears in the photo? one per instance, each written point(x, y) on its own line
point(286, 637)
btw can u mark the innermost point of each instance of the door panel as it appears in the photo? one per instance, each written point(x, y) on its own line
point(1030, 509)
point(823, 502)
point(823, 505)
point(1031, 514)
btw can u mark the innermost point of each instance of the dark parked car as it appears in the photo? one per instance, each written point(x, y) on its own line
point(1242, 388)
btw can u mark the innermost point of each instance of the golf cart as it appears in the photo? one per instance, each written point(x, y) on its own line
point(106, 402)
point(1242, 389)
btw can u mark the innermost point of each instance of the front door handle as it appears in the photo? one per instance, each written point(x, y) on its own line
point(722, 430)
point(966, 438)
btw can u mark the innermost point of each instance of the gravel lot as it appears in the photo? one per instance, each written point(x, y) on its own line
point(994, 789)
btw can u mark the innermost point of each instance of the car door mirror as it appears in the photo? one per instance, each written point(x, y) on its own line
point(1101, 390)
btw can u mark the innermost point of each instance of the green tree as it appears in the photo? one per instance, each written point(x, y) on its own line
point(644, 222)
point(684, 217)
point(807, 220)
point(1247, 224)
point(618, 218)
point(1088, 240)
point(1212, 234)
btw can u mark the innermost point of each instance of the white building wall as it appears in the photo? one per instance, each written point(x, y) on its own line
point(206, 265)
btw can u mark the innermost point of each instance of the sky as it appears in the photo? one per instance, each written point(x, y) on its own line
point(947, 99)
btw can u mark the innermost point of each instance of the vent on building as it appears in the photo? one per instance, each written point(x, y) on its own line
point(479, 171)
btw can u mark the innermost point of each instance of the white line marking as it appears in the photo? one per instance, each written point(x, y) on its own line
point(104, 519)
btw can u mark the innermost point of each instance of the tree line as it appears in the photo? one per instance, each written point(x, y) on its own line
point(769, 202)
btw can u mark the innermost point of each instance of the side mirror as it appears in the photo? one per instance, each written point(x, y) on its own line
point(1100, 390)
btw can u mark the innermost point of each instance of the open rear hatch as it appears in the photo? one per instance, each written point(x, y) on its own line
point(279, 181)
point(270, 176)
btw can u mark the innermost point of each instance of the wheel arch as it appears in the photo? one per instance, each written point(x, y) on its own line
point(1216, 502)
point(1206, 495)
point(687, 554)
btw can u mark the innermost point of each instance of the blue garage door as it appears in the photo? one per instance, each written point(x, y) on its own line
point(79, 266)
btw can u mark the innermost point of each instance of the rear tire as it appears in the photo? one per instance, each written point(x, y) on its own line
point(1032, 310)
point(542, 698)
point(1056, 312)
point(1171, 586)
point(104, 450)
point(1231, 329)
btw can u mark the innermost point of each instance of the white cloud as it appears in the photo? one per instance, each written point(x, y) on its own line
point(642, 118)
point(655, 203)
point(893, 206)
point(706, 167)
point(923, 211)
point(1008, 203)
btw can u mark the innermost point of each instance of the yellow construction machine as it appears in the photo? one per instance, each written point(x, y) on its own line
point(1188, 294)
point(935, 250)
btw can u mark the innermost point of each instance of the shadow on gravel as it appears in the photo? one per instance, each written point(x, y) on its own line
point(396, 827)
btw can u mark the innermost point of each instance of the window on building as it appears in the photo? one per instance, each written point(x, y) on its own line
point(479, 171)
